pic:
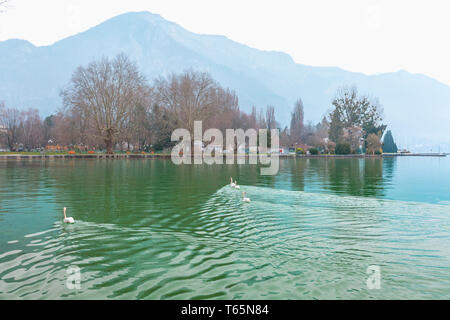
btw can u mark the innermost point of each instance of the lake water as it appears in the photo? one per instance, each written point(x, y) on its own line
point(147, 229)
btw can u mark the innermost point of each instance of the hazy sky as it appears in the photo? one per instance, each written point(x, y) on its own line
point(366, 36)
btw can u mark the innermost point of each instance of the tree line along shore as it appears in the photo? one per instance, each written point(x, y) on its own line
point(109, 107)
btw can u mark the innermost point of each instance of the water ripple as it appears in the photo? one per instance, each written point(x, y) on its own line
point(284, 244)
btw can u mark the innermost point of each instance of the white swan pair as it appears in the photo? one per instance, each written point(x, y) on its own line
point(234, 185)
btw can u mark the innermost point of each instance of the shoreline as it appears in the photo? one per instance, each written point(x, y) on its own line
point(168, 156)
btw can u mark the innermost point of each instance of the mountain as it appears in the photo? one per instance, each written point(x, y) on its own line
point(416, 107)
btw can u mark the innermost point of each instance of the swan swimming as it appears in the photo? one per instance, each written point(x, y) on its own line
point(232, 184)
point(235, 185)
point(244, 198)
point(68, 219)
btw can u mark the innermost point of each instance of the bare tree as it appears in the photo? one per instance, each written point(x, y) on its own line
point(188, 97)
point(226, 111)
point(64, 131)
point(32, 129)
point(373, 143)
point(284, 137)
point(297, 126)
point(196, 96)
point(11, 123)
point(270, 117)
point(106, 92)
point(261, 120)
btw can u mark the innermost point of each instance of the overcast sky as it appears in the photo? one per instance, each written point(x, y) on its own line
point(366, 36)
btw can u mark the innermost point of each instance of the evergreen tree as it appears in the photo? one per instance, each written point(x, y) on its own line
point(389, 145)
point(336, 126)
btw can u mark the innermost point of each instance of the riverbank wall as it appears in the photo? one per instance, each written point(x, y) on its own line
point(168, 156)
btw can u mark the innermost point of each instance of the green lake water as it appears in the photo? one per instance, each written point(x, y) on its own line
point(147, 229)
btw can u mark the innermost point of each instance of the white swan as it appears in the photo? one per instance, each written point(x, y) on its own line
point(244, 198)
point(68, 219)
point(232, 184)
point(235, 185)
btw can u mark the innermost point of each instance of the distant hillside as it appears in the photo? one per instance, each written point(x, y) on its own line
point(417, 108)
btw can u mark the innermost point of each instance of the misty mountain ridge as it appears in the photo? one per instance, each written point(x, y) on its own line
point(416, 107)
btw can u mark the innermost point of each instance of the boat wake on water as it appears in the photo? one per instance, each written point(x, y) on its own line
point(283, 244)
